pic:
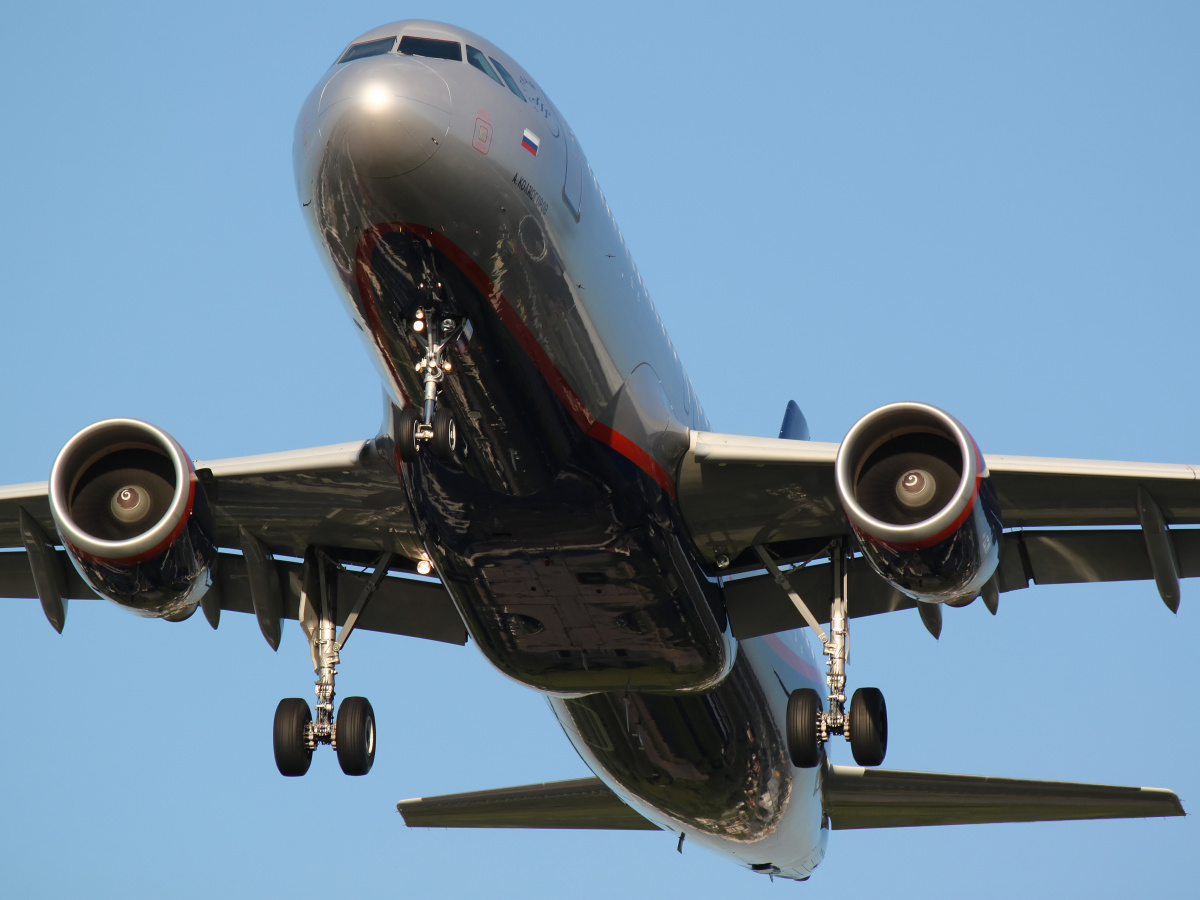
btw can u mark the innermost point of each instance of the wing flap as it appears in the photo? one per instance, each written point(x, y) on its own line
point(399, 605)
point(884, 798)
point(757, 606)
point(580, 803)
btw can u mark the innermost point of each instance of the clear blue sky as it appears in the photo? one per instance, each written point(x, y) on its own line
point(996, 210)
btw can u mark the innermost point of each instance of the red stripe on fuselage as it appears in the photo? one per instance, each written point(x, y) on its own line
point(515, 325)
point(635, 454)
point(791, 658)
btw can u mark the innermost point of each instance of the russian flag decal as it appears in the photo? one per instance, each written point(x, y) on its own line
point(530, 142)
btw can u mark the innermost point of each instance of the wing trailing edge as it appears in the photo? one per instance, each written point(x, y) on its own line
point(885, 798)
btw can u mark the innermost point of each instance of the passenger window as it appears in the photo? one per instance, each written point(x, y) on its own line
point(479, 61)
point(431, 47)
point(508, 79)
point(368, 48)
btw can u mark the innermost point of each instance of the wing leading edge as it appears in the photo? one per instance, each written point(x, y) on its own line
point(853, 798)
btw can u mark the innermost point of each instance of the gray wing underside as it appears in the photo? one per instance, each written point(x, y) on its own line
point(852, 797)
point(342, 497)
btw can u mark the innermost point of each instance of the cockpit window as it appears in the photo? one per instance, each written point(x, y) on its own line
point(479, 61)
point(368, 48)
point(508, 79)
point(419, 46)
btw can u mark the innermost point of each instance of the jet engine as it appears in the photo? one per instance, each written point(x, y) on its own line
point(915, 488)
point(133, 518)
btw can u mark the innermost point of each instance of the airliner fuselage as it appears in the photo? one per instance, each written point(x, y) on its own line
point(457, 212)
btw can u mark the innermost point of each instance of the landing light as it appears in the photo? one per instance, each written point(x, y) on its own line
point(376, 97)
point(424, 567)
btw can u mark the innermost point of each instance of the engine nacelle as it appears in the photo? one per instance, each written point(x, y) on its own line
point(915, 488)
point(133, 518)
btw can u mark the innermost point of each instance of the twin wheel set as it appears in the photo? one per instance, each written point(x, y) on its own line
point(808, 726)
point(352, 735)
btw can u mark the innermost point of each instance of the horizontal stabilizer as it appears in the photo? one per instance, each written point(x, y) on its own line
point(580, 803)
point(883, 798)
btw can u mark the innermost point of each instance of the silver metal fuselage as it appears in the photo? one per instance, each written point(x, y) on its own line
point(558, 536)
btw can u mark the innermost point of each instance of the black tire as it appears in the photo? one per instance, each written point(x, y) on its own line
point(292, 754)
point(445, 435)
point(406, 434)
point(868, 726)
point(803, 708)
point(355, 733)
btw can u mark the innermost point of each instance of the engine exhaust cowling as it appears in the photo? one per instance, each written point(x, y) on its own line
point(915, 488)
point(133, 518)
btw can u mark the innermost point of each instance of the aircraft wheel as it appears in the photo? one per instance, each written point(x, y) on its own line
point(445, 434)
point(292, 754)
point(406, 433)
point(803, 709)
point(355, 732)
point(868, 726)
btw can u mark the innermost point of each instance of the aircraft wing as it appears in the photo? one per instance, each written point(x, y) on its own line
point(342, 498)
point(736, 491)
point(852, 798)
point(342, 495)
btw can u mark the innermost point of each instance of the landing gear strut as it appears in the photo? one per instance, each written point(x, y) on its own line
point(807, 724)
point(434, 424)
point(352, 733)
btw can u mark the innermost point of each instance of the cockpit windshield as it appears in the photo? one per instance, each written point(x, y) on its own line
point(508, 79)
point(479, 61)
point(431, 47)
point(368, 48)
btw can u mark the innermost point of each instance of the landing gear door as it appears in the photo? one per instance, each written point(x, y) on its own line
point(573, 184)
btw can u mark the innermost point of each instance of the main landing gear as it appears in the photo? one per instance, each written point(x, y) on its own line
point(807, 724)
point(352, 733)
point(436, 425)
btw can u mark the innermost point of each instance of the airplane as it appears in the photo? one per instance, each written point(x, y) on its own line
point(543, 449)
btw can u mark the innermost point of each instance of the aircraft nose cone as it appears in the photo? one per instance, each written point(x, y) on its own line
point(385, 115)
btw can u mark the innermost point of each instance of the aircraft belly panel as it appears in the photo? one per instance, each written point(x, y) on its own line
point(562, 554)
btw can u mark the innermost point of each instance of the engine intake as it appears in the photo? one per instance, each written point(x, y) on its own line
point(133, 518)
point(915, 488)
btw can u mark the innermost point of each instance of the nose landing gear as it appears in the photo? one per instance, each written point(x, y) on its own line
point(436, 426)
point(807, 724)
point(352, 732)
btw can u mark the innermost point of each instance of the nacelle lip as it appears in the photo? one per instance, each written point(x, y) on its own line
point(888, 422)
point(92, 444)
